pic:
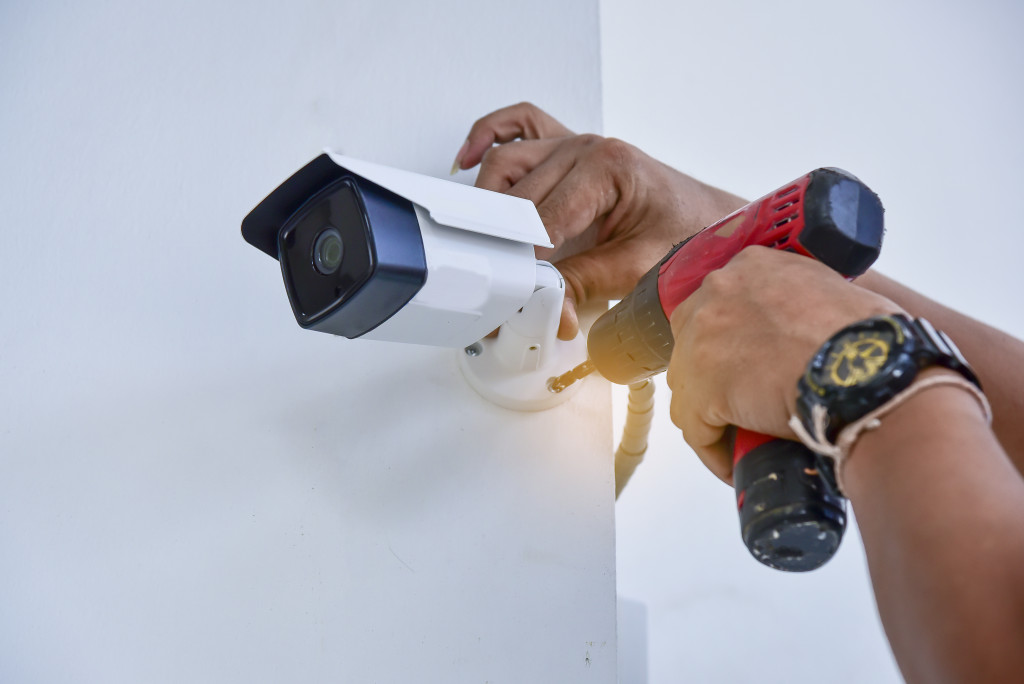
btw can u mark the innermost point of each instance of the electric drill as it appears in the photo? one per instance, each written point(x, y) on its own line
point(791, 515)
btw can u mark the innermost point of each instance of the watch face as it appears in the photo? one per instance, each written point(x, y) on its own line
point(865, 365)
point(856, 356)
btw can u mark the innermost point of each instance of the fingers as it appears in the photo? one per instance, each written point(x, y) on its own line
point(691, 409)
point(507, 166)
point(707, 437)
point(578, 199)
point(570, 195)
point(718, 459)
point(523, 120)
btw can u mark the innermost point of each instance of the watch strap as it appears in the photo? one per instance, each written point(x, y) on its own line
point(937, 349)
point(816, 440)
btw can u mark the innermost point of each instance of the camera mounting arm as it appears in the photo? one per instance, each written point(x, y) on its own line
point(513, 368)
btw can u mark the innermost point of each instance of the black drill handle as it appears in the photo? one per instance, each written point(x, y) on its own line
point(792, 516)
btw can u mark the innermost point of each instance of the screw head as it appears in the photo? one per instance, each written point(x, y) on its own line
point(475, 349)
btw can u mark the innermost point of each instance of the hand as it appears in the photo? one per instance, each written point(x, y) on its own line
point(744, 338)
point(611, 211)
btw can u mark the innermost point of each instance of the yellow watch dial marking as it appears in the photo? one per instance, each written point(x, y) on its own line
point(857, 361)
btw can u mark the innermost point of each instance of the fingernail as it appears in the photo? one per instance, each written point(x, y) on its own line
point(458, 158)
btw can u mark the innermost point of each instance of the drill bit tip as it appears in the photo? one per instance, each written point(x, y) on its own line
point(557, 384)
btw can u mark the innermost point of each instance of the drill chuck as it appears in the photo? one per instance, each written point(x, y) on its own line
point(633, 340)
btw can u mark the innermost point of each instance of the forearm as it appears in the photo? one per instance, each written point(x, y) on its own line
point(996, 357)
point(941, 513)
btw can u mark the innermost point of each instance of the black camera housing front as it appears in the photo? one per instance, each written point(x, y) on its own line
point(383, 264)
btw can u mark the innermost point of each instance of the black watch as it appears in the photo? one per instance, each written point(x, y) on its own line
point(868, 363)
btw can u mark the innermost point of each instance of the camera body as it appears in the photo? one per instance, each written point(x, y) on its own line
point(371, 252)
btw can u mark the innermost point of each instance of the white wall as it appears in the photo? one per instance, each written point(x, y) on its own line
point(923, 101)
point(191, 487)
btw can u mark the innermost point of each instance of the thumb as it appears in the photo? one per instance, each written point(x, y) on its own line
point(608, 271)
point(569, 323)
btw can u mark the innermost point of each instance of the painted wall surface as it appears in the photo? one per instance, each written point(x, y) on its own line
point(191, 487)
point(923, 101)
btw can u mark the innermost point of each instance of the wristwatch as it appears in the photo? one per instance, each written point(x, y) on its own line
point(866, 364)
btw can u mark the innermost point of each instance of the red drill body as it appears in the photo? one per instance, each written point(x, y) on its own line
point(772, 221)
point(791, 517)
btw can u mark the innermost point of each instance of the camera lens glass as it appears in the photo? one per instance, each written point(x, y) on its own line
point(327, 251)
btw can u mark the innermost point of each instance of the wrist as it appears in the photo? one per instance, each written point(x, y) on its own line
point(912, 431)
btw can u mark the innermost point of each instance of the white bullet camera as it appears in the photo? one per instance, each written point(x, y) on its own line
point(372, 252)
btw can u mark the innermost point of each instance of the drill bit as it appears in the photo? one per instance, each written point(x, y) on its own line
point(581, 371)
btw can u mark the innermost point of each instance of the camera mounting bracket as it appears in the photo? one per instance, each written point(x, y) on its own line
point(514, 368)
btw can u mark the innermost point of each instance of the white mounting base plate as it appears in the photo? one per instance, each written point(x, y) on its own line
point(517, 389)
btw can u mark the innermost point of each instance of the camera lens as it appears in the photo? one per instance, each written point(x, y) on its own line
point(327, 251)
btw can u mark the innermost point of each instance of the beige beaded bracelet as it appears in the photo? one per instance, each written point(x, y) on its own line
point(840, 450)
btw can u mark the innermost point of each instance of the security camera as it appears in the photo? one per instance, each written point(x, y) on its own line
point(372, 252)
point(376, 253)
